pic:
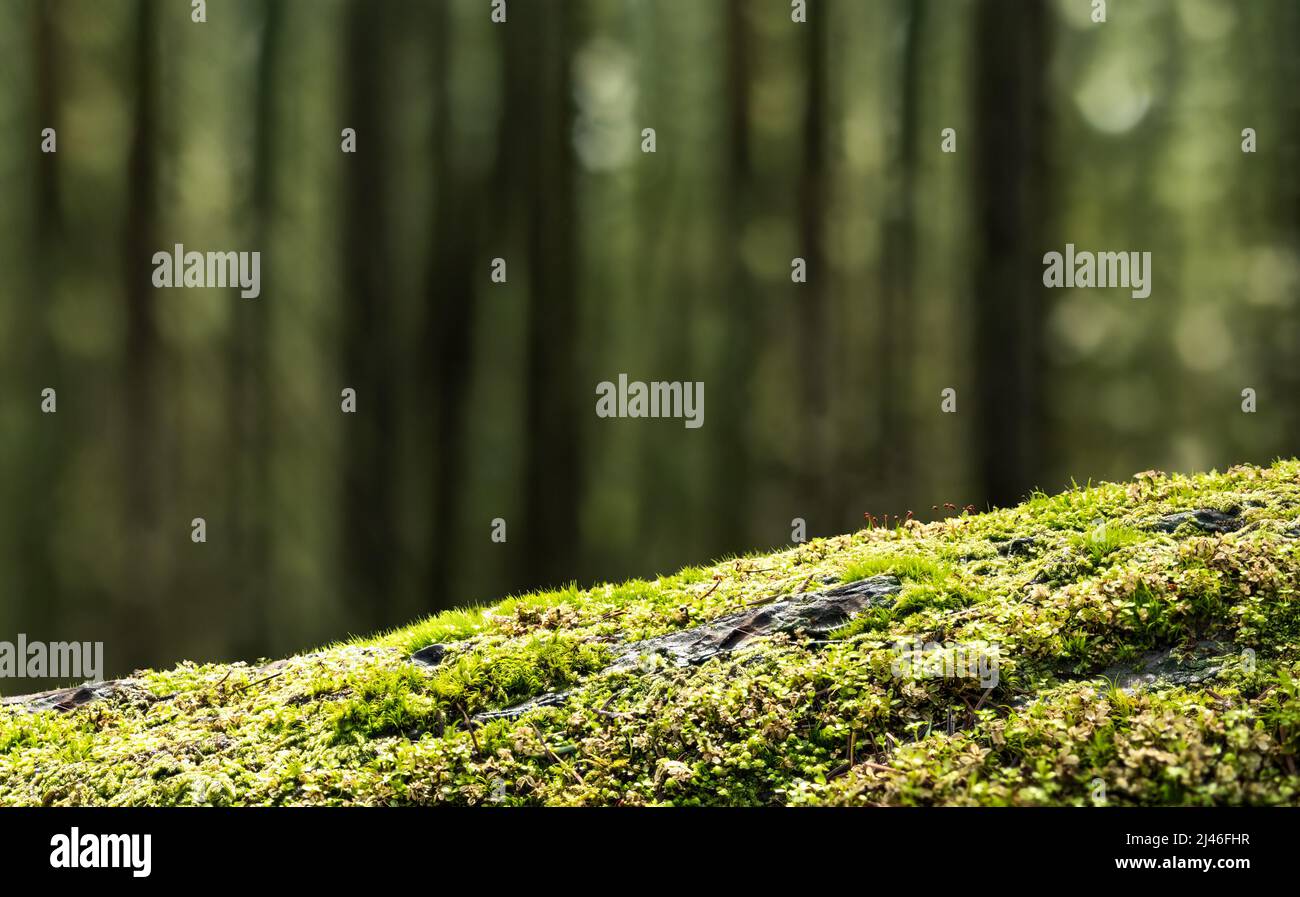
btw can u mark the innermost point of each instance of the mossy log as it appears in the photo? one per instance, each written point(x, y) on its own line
point(1123, 643)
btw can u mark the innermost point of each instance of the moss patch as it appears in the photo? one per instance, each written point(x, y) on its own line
point(1072, 590)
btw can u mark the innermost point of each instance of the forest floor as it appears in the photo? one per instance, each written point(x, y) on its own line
point(1127, 643)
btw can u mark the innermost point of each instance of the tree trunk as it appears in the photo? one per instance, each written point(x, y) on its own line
point(142, 458)
point(1010, 211)
point(450, 282)
point(813, 296)
point(538, 128)
point(895, 352)
point(368, 514)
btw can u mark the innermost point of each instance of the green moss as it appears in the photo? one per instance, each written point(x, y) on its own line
point(1069, 603)
point(916, 567)
point(1103, 540)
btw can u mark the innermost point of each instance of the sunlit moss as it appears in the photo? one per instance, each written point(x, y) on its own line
point(1070, 602)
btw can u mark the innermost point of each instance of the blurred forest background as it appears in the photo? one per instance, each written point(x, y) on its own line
point(522, 141)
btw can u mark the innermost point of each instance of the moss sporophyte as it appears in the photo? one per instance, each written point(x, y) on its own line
point(1143, 636)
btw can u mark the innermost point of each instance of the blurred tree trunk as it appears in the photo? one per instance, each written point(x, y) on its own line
point(142, 457)
point(248, 360)
point(730, 397)
point(537, 134)
point(368, 528)
point(1286, 183)
point(45, 452)
point(1011, 108)
point(813, 296)
point(455, 268)
point(895, 353)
